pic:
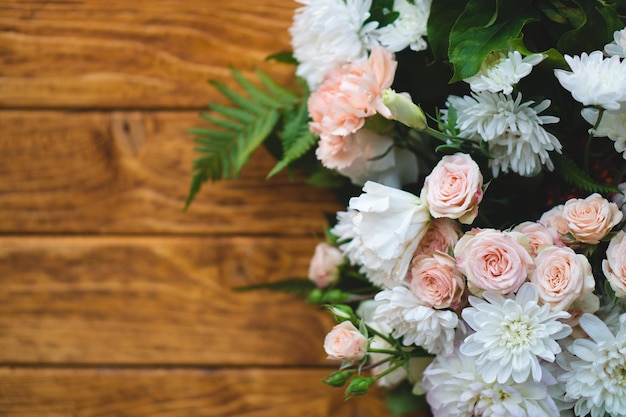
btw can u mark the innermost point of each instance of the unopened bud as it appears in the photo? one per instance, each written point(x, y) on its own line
point(341, 312)
point(339, 378)
point(336, 296)
point(404, 110)
point(359, 386)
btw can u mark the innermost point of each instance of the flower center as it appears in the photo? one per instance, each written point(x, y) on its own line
point(516, 334)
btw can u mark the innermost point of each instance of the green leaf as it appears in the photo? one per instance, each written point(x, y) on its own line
point(284, 57)
point(573, 175)
point(381, 11)
point(296, 138)
point(443, 15)
point(401, 400)
point(594, 27)
point(296, 286)
point(553, 56)
point(476, 33)
point(237, 130)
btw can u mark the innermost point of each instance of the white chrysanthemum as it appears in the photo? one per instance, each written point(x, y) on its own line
point(513, 130)
point(612, 126)
point(595, 80)
point(597, 379)
point(618, 46)
point(456, 388)
point(500, 72)
point(381, 230)
point(512, 335)
point(328, 33)
point(409, 29)
point(434, 330)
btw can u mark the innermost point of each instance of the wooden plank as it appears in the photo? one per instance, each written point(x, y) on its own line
point(177, 393)
point(129, 172)
point(99, 301)
point(144, 53)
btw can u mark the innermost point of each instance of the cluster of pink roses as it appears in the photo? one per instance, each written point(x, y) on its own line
point(444, 266)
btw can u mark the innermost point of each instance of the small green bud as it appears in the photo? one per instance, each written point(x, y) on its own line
point(359, 386)
point(338, 378)
point(404, 110)
point(336, 296)
point(341, 312)
point(315, 296)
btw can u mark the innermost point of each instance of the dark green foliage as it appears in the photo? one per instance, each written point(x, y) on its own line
point(573, 175)
point(296, 286)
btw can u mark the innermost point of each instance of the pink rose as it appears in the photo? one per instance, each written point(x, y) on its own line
point(492, 261)
point(350, 93)
point(324, 266)
point(345, 343)
point(553, 219)
point(538, 235)
point(592, 218)
point(562, 276)
point(614, 266)
point(454, 188)
point(441, 236)
point(436, 281)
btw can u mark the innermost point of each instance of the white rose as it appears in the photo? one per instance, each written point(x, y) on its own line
point(385, 226)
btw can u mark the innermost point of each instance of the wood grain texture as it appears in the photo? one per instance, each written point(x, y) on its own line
point(139, 54)
point(155, 301)
point(176, 393)
point(129, 172)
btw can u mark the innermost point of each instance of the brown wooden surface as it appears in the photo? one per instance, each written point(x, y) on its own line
point(113, 301)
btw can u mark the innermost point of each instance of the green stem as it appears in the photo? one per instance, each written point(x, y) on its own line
point(389, 370)
point(387, 351)
point(382, 336)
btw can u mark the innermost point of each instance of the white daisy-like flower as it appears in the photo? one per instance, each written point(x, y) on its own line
point(434, 330)
point(409, 29)
point(513, 130)
point(455, 387)
point(595, 80)
point(381, 231)
point(618, 46)
point(501, 72)
point(512, 335)
point(328, 33)
point(597, 379)
point(612, 126)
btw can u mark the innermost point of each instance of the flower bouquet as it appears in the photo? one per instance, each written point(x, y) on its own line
point(480, 266)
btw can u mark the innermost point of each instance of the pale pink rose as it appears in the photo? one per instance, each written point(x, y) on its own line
point(436, 282)
point(441, 236)
point(324, 266)
point(592, 218)
point(553, 219)
point(492, 261)
point(539, 236)
point(345, 343)
point(350, 93)
point(562, 276)
point(614, 266)
point(454, 188)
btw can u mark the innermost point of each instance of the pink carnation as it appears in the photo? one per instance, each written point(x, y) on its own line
point(350, 93)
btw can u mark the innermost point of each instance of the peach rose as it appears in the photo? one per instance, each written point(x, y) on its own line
point(436, 282)
point(562, 276)
point(592, 218)
point(350, 93)
point(492, 261)
point(324, 266)
point(553, 219)
point(538, 235)
point(614, 266)
point(345, 343)
point(454, 188)
point(441, 236)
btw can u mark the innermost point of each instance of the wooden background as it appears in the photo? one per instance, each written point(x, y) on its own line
point(113, 301)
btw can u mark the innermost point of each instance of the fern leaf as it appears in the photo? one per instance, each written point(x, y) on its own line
point(254, 91)
point(573, 175)
point(238, 129)
point(296, 286)
point(296, 137)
